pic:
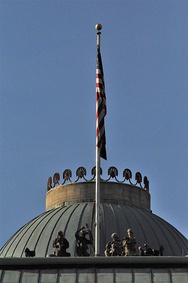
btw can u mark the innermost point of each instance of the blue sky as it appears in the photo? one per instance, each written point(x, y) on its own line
point(48, 61)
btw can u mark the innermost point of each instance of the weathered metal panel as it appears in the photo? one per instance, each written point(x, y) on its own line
point(95, 270)
point(30, 276)
point(48, 276)
point(67, 275)
point(148, 228)
point(11, 276)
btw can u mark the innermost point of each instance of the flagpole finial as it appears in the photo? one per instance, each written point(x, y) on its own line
point(98, 27)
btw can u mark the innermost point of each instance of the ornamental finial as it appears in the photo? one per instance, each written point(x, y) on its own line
point(98, 27)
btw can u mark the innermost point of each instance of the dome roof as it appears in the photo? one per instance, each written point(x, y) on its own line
point(40, 232)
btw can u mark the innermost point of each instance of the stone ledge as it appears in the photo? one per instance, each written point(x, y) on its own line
point(83, 262)
point(110, 192)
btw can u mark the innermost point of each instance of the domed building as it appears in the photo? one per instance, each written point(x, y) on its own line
point(124, 205)
point(71, 205)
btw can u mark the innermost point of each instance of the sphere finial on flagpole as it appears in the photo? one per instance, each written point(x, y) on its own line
point(98, 27)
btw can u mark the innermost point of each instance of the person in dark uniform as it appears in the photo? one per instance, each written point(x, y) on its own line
point(147, 251)
point(61, 244)
point(82, 241)
point(114, 247)
point(129, 244)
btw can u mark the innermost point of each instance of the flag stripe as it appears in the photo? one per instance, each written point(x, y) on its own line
point(100, 107)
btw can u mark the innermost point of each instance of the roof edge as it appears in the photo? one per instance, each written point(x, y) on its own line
point(85, 262)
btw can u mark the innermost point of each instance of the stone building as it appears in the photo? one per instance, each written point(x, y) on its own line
point(71, 205)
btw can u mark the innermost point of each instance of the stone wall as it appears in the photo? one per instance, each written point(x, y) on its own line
point(111, 192)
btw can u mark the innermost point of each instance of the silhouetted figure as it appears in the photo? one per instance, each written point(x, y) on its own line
point(29, 253)
point(61, 244)
point(114, 247)
point(82, 241)
point(129, 244)
point(147, 251)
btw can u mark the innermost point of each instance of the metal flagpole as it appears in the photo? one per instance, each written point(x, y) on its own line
point(98, 27)
point(97, 204)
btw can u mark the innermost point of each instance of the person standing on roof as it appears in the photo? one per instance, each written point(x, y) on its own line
point(82, 241)
point(114, 247)
point(129, 244)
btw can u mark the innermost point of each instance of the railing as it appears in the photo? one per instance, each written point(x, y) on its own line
point(112, 173)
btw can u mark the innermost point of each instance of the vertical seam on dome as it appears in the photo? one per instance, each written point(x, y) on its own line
point(138, 222)
point(57, 223)
point(53, 227)
point(154, 221)
point(39, 217)
point(55, 212)
point(70, 217)
point(125, 215)
point(9, 241)
point(149, 224)
point(51, 212)
point(43, 216)
point(116, 218)
point(163, 222)
point(20, 231)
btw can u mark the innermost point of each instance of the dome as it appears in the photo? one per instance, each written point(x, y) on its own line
point(69, 207)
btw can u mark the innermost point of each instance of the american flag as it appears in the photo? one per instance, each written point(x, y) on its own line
point(100, 107)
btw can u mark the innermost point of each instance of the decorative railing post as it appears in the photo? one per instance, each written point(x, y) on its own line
point(112, 175)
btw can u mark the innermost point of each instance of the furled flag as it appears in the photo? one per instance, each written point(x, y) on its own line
point(100, 107)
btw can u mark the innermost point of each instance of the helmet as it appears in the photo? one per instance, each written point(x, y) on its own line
point(114, 235)
point(60, 233)
point(129, 230)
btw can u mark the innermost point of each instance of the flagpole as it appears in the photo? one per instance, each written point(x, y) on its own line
point(97, 204)
point(98, 27)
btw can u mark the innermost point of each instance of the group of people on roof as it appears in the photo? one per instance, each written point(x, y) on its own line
point(115, 247)
point(83, 237)
point(127, 247)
